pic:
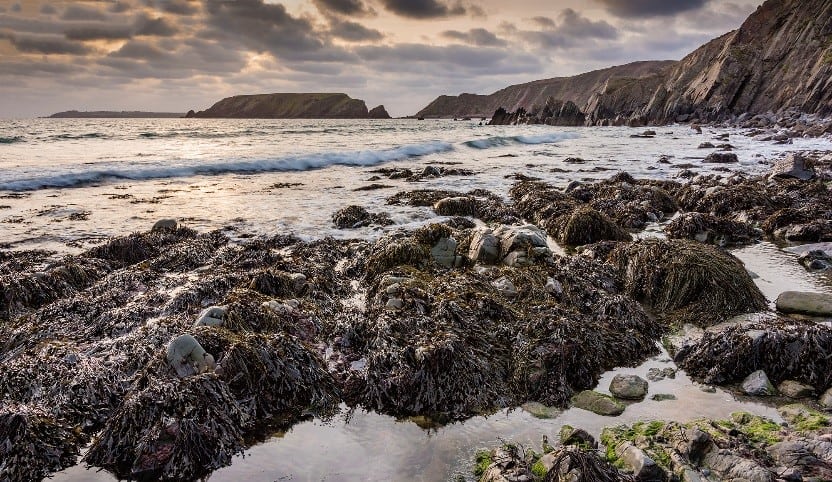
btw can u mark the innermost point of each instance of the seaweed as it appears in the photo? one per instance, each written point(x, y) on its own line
point(34, 443)
point(573, 464)
point(785, 349)
point(586, 226)
point(710, 229)
point(686, 281)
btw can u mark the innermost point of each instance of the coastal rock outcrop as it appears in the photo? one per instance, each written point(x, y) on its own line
point(779, 59)
point(290, 106)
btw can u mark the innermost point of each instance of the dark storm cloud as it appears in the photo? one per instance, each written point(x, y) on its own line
point(423, 9)
point(158, 27)
point(354, 32)
point(572, 29)
point(476, 36)
point(80, 12)
point(16, 7)
point(650, 8)
point(47, 9)
point(344, 7)
point(179, 7)
point(139, 50)
point(120, 7)
point(44, 44)
point(99, 32)
point(268, 27)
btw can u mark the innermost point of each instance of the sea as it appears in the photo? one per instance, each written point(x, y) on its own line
point(69, 184)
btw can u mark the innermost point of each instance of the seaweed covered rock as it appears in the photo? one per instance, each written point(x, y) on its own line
point(141, 246)
point(710, 229)
point(34, 443)
point(586, 226)
point(721, 158)
point(172, 429)
point(410, 248)
point(352, 217)
point(784, 349)
point(687, 282)
point(477, 203)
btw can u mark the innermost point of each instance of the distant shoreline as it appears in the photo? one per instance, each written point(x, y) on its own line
point(106, 114)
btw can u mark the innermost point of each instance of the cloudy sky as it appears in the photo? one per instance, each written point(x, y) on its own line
point(175, 55)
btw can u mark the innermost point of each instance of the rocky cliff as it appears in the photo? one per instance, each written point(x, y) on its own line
point(779, 59)
point(290, 106)
point(577, 89)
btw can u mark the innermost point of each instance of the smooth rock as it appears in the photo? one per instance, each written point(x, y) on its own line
point(642, 466)
point(394, 304)
point(212, 316)
point(805, 303)
point(795, 389)
point(628, 387)
point(187, 356)
point(793, 166)
point(758, 384)
point(825, 400)
point(520, 238)
point(598, 403)
point(505, 287)
point(444, 252)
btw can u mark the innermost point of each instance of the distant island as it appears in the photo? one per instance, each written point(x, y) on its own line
point(291, 106)
point(107, 114)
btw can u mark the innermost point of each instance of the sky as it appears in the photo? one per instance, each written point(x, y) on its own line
point(176, 55)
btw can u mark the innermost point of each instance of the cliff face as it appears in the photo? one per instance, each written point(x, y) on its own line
point(287, 106)
point(780, 58)
point(577, 89)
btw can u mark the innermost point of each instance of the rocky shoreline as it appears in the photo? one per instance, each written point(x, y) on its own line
point(167, 352)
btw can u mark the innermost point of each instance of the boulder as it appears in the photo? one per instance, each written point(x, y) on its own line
point(795, 389)
point(805, 303)
point(166, 225)
point(505, 287)
point(187, 357)
point(825, 400)
point(456, 206)
point(485, 247)
point(444, 252)
point(793, 166)
point(721, 158)
point(598, 403)
point(758, 384)
point(577, 436)
point(628, 387)
point(587, 226)
point(212, 316)
point(520, 238)
point(639, 463)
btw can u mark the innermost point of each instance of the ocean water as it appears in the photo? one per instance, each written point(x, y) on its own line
point(68, 184)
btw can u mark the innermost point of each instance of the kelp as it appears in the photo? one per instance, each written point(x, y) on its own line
point(34, 443)
point(171, 429)
point(574, 464)
point(685, 281)
point(586, 226)
point(138, 247)
point(352, 217)
point(785, 349)
point(710, 229)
